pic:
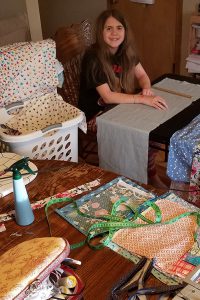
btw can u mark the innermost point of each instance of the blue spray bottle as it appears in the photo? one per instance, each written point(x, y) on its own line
point(23, 211)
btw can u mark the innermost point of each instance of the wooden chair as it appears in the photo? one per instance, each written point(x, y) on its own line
point(71, 43)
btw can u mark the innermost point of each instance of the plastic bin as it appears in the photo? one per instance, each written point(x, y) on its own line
point(42, 137)
point(34, 120)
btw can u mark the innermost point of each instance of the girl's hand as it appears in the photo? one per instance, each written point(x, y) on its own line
point(157, 102)
point(154, 101)
point(147, 92)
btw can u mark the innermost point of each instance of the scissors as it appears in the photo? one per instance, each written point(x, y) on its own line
point(132, 286)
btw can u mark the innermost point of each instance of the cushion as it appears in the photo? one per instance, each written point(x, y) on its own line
point(71, 43)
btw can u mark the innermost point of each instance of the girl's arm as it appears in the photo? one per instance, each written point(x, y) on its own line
point(110, 97)
point(143, 80)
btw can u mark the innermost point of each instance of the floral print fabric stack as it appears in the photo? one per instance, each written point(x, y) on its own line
point(181, 151)
point(194, 195)
point(28, 70)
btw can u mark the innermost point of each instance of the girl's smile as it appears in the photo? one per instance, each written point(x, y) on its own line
point(113, 34)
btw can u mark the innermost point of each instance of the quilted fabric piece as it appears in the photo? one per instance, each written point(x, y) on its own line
point(29, 69)
point(100, 202)
point(28, 261)
point(166, 243)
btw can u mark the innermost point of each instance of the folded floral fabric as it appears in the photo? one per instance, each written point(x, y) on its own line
point(167, 243)
point(29, 70)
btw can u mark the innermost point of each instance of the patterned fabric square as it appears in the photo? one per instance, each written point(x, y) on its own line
point(100, 202)
point(182, 268)
point(182, 144)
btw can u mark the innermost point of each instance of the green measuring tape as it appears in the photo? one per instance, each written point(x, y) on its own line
point(109, 224)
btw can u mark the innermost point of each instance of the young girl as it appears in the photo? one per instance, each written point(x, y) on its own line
point(109, 69)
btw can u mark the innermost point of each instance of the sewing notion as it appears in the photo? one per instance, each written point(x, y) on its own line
point(133, 284)
point(40, 271)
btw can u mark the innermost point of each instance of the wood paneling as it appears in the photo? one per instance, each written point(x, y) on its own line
point(157, 33)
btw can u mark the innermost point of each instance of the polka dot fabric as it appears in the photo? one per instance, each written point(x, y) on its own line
point(41, 112)
point(28, 70)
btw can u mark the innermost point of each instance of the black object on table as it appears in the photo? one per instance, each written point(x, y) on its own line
point(163, 132)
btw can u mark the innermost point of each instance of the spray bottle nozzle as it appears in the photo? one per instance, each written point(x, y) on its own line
point(23, 210)
point(20, 165)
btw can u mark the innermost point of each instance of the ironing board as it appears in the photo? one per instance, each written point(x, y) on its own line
point(129, 127)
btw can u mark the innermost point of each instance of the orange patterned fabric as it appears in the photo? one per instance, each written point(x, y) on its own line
point(166, 243)
point(28, 261)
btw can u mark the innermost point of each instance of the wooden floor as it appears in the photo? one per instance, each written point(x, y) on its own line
point(162, 168)
point(161, 165)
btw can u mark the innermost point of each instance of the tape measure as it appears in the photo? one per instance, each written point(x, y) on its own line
point(109, 224)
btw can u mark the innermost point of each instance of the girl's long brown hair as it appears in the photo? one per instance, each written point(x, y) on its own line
point(126, 53)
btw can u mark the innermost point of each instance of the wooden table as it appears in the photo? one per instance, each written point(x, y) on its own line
point(101, 269)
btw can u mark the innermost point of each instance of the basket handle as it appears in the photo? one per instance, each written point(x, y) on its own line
point(51, 127)
point(5, 116)
point(14, 105)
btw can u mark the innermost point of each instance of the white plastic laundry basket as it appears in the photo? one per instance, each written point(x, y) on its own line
point(34, 120)
point(58, 138)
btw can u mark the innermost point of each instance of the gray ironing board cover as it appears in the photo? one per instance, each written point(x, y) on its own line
point(123, 132)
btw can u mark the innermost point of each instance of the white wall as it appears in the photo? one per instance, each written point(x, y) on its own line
point(189, 8)
point(10, 8)
point(34, 20)
point(14, 26)
point(57, 13)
